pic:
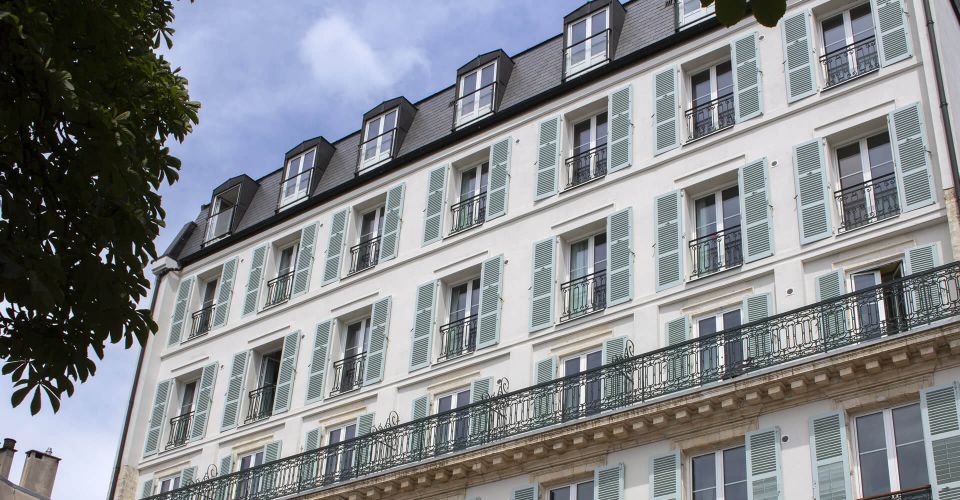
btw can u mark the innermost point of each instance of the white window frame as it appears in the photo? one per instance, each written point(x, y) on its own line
point(364, 333)
point(718, 470)
point(718, 316)
point(217, 212)
point(698, 14)
point(714, 95)
point(173, 481)
point(889, 443)
point(477, 111)
point(379, 213)
point(866, 168)
point(303, 181)
point(847, 25)
point(478, 188)
point(581, 387)
point(593, 143)
point(717, 195)
point(455, 404)
point(183, 392)
point(591, 251)
point(340, 455)
point(202, 284)
point(380, 154)
point(590, 58)
point(470, 289)
point(572, 488)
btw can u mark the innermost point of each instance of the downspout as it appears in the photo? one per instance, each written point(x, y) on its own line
point(133, 391)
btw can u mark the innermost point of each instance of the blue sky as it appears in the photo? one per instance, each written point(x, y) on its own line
point(268, 78)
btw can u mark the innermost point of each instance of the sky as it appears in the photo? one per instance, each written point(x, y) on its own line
point(270, 75)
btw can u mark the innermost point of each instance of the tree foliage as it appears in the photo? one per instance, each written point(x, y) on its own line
point(88, 106)
point(766, 12)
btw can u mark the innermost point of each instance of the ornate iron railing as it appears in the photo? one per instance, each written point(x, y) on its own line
point(278, 289)
point(710, 117)
point(571, 51)
point(219, 225)
point(868, 202)
point(468, 213)
point(289, 192)
point(348, 374)
point(587, 166)
point(628, 380)
point(261, 403)
point(846, 63)
point(458, 338)
point(584, 295)
point(716, 252)
point(364, 255)
point(179, 430)
point(202, 321)
point(919, 493)
point(475, 100)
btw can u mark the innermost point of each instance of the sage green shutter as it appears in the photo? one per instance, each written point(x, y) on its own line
point(287, 372)
point(226, 465)
point(525, 493)
point(608, 482)
point(318, 361)
point(480, 390)
point(891, 25)
point(423, 318)
point(433, 211)
point(392, 219)
point(310, 463)
point(758, 308)
point(941, 436)
point(927, 296)
point(419, 409)
point(920, 259)
point(311, 440)
point(222, 310)
point(271, 451)
point(830, 285)
point(542, 284)
point(828, 453)
point(231, 402)
point(620, 257)
point(377, 343)
point(666, 116)
point(747, 81)
point(158, 416)
point(615, 382)
point(338, 229)
point(180, 311)
point(548, 158)
point(678, 363)
point(665, 477)
point(910, 157)
point(188, 475)
point(301, 275)
point(669, 241)
point(763, 465)
point(801, 81)
point(364, 426)
point(498, 189)
point(251, 298)
point(491, 305)
point(757, 230)
point(620, 140)
point(147, 489)
point(810, 174)
point(543, 405)
point(833, 317)
point(208, 377)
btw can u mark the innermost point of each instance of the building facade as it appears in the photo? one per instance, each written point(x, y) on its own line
point(648, 258)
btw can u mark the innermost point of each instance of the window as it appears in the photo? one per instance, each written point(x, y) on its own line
point(711, 101)
point(721, 475)
point(180, 424)
point(477, 90)
point(261, 398)
point(220, 222)
point(582, 397)
point(586, 290)
point(453, 426)
point(890, 451)
point(203, 317)
point(692, 10)
point(169, 483)
point(717, 241)
point(378, 139)
point(253, 484)
point(589, 156)
point(365, 254)
point(587, 42)
point(576, 491)
point(348, 372)
point(279, 288)
point(716, 363)
point(339, 459)
point(470, 210)
point(868, 183)
point(459, 336)
point(882, 311)
point(296, 178)
point(849, 45)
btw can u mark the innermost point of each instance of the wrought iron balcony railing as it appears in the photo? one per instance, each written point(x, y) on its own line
point(179, 430)
point(468, 213)
point(364, 255)
point(710, 117)
point(916, 300)
point(295, 188)
point(920, 493)
point(577, 59)
point(219, 225)
point(202, 321)
point(584, 295)
point(868, 202)
point(852, 61)
point(477, 104)
point(458, 338)
point(587, 166)
point(717, 252)
point(261, 403)
point(377, 149)
point(348, 374)
point(278, 289)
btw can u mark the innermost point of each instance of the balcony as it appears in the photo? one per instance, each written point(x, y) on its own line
point(294, 189)
point(477, 104)
point(710, 117)
point(348, 374)
point(468, 213)
point(587, 166)
point(219, 225)
point(179, 430)
point(458, 338)
point(364, 255)
point(920, 493)
point(278, 289)
point(260, 403)
point(850, 62)
point(716, 252)
point(576, 55)
point(202, 321)
point(626, 383)
point(584, 295)
point(868, 202)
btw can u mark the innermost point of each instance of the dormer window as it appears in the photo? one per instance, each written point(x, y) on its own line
point(476, 93)
point(587, 42)
point(692, 11)
point(296, 178)
point(378, 139)
point(220, 222)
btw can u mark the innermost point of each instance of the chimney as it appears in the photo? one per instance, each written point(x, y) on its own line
point(39, 471)
point(6, 457)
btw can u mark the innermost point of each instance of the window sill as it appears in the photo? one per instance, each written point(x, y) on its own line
point(473, 120)
point(287, 204)
point(573, 72)
point(363, 168)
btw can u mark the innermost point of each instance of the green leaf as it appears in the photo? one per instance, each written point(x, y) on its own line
point(769, 12)
point(730, 12)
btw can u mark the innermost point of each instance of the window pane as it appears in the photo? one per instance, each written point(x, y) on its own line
point(581, 137)
point(475, 297)
point(871, 445)
point(881, 157)
point(700, 84)
point(571, 367)
point(833, 34)
point(458, 302)
point(907, 426)
point(578, 259)
point(579, 32)
point(468, 183)
point(585, 491)
point(594, 360)
point(486, 75)
point(706, 216)
point(599, 22)
point(861, 22)
point(600, 252)
point(724, 79)
point(469, 83)
point(734, 465)
point(444, 404)
point(704, 477)
point(911, 457)
point(601, 132)
point(870, 433)
point(850, 166)
point(690, 6)
point(731, 206)
point(390, 120)
point(560, 493)
point(731, 319)
point(707, 326)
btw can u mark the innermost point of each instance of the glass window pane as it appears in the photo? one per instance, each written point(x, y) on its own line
point(601, 132)
point(706, 216)
point(701, 88)
point(707, 326)
point(600, 252)
point(704, 472)
point(870, 433)
point(599, 22)
point(731, 206)
point(585, 491)
point(581, 137)
point(486, 75)
point(444, 404)
point(734, 465)
point(907, 426)
point(571, 367)
point(560, 493)
point(724, 79)
point(578, 32)
point(850, 166)
point(871, 446)
point(731, 319)
point(390, 120)
point(594, 360)
point(690, 6)
point(834, 36)
point(912, 465)
point(861, 21)
point(469, 83)
point(881, 156)
point(578, 259)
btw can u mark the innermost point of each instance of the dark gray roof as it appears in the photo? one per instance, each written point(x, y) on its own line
point(536, 71)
